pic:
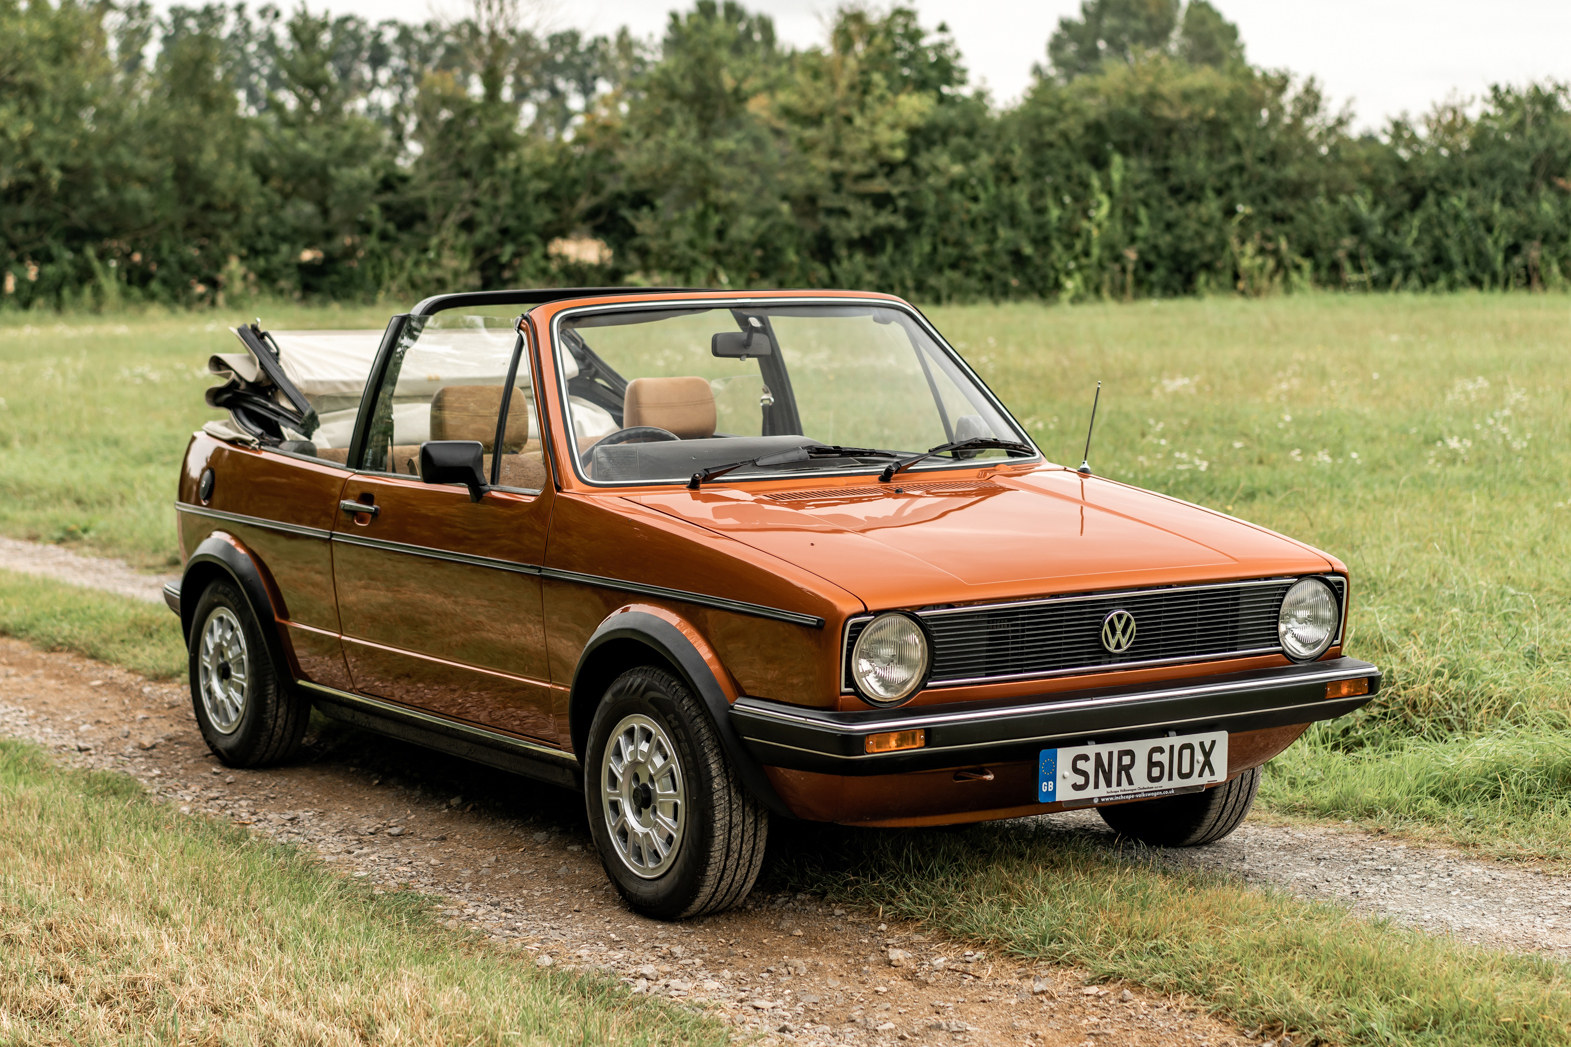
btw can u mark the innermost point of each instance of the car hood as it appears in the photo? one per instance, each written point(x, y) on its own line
point(1005, 537)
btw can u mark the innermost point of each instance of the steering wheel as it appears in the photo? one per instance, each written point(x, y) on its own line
point(639, 434)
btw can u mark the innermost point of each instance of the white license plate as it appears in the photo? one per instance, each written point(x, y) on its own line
point(1132, 770)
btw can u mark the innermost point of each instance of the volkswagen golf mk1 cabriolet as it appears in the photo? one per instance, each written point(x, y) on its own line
point(715, 557)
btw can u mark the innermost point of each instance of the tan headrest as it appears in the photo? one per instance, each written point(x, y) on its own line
point(684, 406)
point(468, 412)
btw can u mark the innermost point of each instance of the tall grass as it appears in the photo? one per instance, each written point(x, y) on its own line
point(1505, 792)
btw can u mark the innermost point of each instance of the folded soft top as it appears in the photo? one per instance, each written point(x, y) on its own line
point(327, 363)
point(269, 390)
point(317, 363)
point(278, 387)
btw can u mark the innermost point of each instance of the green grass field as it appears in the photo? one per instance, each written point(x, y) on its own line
point(95, 413)
point(140, 636)
point(1421, 439)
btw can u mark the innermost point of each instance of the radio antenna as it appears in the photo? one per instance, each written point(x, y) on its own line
point(1085, 463)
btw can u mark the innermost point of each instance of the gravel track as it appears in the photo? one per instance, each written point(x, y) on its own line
point(94, 572)
point(1436, 889)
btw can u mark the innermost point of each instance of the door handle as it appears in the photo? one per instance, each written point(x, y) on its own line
point(359, 507)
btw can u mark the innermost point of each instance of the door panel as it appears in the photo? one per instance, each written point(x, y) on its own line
point(439, 598)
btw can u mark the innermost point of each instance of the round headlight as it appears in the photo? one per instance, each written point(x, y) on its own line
point(1307, 623)
point(889, 660)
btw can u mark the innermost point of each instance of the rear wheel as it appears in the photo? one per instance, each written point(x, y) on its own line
point(677, 832)
point(1190, 819)
point(248, 715)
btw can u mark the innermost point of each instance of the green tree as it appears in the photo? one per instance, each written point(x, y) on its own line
point(326, 167)
point(1158, 178)
point(703, 170)
point(1206, 38)
point(1129, 30)
point(885, 143)
point(1117, 30)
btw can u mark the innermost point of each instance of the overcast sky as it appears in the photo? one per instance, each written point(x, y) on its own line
point(1385, 56)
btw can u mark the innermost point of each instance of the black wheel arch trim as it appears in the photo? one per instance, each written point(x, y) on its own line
point(831, 742)
point(666, 641)
point(217, 552)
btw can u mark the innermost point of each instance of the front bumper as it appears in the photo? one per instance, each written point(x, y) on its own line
point(831, 742)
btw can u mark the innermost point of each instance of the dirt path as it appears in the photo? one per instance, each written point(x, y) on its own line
point(514, 859)
point(95, 572)
point(1440, 890)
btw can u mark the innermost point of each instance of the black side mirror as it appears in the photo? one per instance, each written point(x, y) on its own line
point(454, 462)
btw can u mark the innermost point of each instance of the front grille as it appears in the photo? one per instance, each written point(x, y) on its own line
point(1063, 635)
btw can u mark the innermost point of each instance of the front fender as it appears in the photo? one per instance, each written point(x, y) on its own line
point(615, 638)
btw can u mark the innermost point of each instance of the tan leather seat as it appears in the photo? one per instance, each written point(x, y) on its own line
point(684, 406)
point(468, 412)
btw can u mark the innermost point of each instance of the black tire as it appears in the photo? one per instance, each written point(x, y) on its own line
point(1188, 820)
point(259, 723)
point(719, 846)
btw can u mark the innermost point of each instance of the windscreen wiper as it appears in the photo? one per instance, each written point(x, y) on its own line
point(805, 453)
point(976, 443)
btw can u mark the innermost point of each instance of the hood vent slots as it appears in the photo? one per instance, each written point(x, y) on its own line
point(834, 494)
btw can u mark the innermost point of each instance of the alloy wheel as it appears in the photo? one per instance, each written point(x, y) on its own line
point(644, 796)
point(224, 665)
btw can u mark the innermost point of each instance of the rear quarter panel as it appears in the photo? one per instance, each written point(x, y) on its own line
point(252, 489)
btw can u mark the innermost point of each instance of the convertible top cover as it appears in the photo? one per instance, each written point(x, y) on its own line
point(275, 389)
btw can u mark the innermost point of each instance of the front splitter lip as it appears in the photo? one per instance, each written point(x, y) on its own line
point(829, 741)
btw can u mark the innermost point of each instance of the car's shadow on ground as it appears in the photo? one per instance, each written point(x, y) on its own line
point(799, 854)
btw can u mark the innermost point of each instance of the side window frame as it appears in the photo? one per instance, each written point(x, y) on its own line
point(393, 345)
point(376, 410)
point(523, 344)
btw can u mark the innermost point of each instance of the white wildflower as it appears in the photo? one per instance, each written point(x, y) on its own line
point(1183, 383)
point(1467, 390)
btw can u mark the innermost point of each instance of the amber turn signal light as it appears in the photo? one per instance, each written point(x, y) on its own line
point(894, 741)
point(1347, 688)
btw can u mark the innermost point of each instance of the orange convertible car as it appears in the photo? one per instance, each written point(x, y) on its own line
point(715, 557)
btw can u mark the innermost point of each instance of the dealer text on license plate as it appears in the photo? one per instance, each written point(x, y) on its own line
point(1131, 770)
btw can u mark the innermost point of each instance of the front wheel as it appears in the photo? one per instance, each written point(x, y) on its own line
point(1187, 820)
point(677, 832)
point(248, 714)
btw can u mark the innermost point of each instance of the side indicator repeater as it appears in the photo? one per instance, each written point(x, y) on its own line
point(894, 741)
point(1347, 688)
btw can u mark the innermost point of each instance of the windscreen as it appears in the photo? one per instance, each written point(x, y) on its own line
point(657, 394)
